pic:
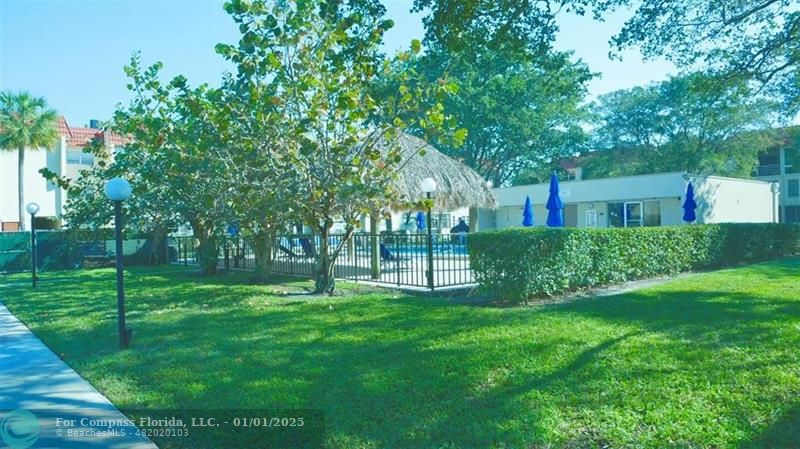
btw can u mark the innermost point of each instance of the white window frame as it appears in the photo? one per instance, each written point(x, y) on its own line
point(641, 213)
point(641, 203)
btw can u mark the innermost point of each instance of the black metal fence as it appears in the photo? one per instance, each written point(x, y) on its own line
point(388, 258)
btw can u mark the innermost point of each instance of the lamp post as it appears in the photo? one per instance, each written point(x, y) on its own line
point(118, 190)
point(429, 186)
point(32, 209)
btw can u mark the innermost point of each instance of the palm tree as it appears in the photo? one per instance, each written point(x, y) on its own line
point(25, 122)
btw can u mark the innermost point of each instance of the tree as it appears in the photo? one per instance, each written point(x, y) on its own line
point(524, 27)
point(262, 178)
point(518, 114)
point(168, 159)
point(686, 123)
point(317, 61)
point(754, 40)
point(25, 122)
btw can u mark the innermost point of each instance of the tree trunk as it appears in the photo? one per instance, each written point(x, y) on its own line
point(21, 188)
point(263, 245)
point(325, 280)
point(207, 251)
point(159, 253)
point(326, 260)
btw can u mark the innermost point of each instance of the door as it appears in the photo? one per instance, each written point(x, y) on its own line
point(571, 215)
point(634, 216)
point(591, 218)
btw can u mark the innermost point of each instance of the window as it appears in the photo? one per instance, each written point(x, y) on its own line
point(652, 213)
point(634, 214)
point(78, 157)
point(769, 163)
point(791, 160)
point(73, 157)
point(616, 215)
point(792, 214)
point(793, 187)
point(444, 220)
point(441, 221)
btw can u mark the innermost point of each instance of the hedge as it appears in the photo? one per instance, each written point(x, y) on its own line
point(518, 264)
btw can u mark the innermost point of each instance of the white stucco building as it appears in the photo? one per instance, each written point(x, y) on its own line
point(646, 200)
point(66, 158)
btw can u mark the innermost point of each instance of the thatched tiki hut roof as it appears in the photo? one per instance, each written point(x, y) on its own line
point(456, 184)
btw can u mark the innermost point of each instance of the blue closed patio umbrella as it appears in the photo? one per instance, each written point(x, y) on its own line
point(689, 205)
point(555, 215)
point(527, 213)
point(420, 221)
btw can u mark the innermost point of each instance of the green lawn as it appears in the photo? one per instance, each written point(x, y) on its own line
point(710, 360)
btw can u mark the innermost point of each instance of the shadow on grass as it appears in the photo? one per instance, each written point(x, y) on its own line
point(783, 433)
point(415, 372)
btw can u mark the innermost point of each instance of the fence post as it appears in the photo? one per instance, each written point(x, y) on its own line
point(236, 253)
point(374, 247)
point(227, 255)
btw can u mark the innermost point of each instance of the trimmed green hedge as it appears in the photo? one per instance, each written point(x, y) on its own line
point(518, 264)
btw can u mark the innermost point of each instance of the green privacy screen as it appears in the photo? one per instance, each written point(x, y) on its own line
point(64, 250)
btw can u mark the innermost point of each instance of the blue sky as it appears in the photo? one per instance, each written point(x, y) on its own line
point(72, 52)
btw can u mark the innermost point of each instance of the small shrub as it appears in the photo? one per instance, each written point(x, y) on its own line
point(518, 264)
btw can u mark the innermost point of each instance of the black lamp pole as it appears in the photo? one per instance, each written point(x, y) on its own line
point(430, 245)
point(33, 248)
point(124, 333)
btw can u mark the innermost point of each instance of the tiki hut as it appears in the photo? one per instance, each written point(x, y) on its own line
point(456, 184)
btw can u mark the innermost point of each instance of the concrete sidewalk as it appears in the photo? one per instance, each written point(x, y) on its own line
point(34, 379)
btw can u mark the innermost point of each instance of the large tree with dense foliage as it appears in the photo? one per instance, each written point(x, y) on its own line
point(260, 172)
point(688, 123)
point(315, 61)
point(167, 158)
point(518, 113)
point(519, 99)
point(525, 27)
point(756, 40)
point(753, 40)
point(294, 135)
point(26, 122)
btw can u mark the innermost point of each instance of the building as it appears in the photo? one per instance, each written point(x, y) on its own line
point(66, 158)
point(782, 165)
point(645, 200)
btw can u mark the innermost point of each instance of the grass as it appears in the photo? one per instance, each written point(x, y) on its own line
point(707, 361)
